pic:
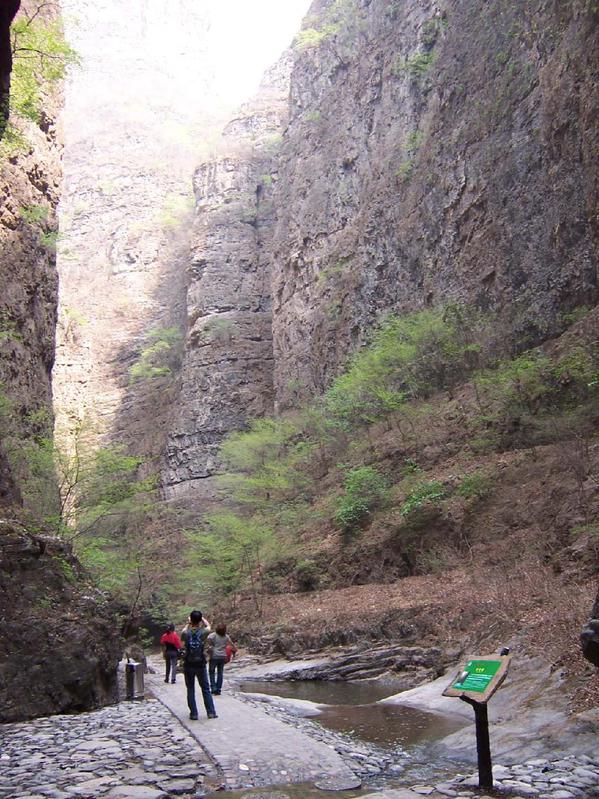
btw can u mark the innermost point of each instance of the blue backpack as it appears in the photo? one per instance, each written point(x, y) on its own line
point(194, 646)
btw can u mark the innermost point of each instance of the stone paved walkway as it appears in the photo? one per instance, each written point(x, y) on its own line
point(251, 747)
point(130, 751)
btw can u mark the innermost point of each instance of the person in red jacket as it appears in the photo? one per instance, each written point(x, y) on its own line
point(170, 644)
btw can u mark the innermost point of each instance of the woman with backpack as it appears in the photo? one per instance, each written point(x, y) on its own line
point(194, 665)
point(221, 650)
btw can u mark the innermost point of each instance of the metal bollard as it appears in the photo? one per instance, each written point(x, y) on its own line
point(134, 680)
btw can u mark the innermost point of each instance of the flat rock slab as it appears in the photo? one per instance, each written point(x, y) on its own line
point(338, 784)
point(266, 795)
point(136, 792)
point(251, 747)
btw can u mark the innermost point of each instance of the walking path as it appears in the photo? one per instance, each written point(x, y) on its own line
point(129, 751)
point(137, 750)
point(251, 747)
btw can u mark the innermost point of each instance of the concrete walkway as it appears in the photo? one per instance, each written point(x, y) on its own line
point(251, 747)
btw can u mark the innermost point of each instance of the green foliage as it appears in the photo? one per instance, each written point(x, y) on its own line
point(430, 32)
point(49, 240)
point(310, 38)
point(70, 491)
point(307, 575)
point(175, 209)
point(267, 463)
point(231, 555)
point(8, 330)
point(405, 171)
point(414, 141)
point(313, 116)
point(409, 357)
point(416, 66)
point(425, 496)
point(475, 485)
point(364, 490)
point(331, 272)
point(219, 329)
point(410, 467)
point(34, 214)
point(41, 57)
point(575, 315)
point(160, 358)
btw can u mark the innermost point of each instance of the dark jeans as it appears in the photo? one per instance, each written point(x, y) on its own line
point(171, 665)
point(199, 671)
point(216, 664)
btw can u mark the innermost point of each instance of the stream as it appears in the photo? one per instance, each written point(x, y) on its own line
point(351, 708)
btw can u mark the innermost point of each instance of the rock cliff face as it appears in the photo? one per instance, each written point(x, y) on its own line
point(433, 152)
point(228, 364)
point(436, 151)
point(59, 648)
point(58, 653)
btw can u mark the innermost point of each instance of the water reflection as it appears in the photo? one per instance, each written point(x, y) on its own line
point(387, 726)
point(348, 707)
point(324, 692)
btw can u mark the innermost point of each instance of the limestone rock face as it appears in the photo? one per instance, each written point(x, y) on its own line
point(59, 648)
point(226, 377)
point(436, 151)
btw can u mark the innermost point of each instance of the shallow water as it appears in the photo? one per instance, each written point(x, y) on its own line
point(349, 707)
point(324, 692)
point(388, 726)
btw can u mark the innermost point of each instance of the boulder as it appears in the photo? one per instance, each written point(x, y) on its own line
point(589, 636)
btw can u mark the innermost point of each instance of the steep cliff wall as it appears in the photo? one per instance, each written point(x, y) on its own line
point(227, 370)
point(436, 151)
point(59, 651)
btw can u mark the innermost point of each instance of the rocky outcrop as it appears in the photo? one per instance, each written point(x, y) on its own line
point(437, 151)
point(589, 637)
point(29, 193)
point(432, 152)
point(411, 664)
point(226, 377)
point(59, 648)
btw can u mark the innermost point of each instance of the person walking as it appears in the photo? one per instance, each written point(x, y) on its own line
point(194, 665)
point(221, 649)
point(170, 644)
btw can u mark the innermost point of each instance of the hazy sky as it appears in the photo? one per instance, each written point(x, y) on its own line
point(252, 34)
point(202, 52)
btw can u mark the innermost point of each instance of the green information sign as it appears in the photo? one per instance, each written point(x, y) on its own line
point(477, 675)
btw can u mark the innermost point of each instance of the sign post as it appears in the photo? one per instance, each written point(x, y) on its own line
point(475, 684)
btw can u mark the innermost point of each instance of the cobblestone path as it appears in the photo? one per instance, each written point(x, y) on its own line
point(134, 750)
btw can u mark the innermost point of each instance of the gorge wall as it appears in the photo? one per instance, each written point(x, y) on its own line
point(436, 152)
point(52, 657)
point(432, 152)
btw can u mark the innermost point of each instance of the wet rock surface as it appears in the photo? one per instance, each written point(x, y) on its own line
point(130, 751)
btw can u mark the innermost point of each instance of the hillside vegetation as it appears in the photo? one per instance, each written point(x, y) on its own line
point(436, 456)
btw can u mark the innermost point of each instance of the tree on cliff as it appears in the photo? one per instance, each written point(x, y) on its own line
point(35, 51)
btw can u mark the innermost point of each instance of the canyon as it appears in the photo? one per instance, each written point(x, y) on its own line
point(222, 260)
